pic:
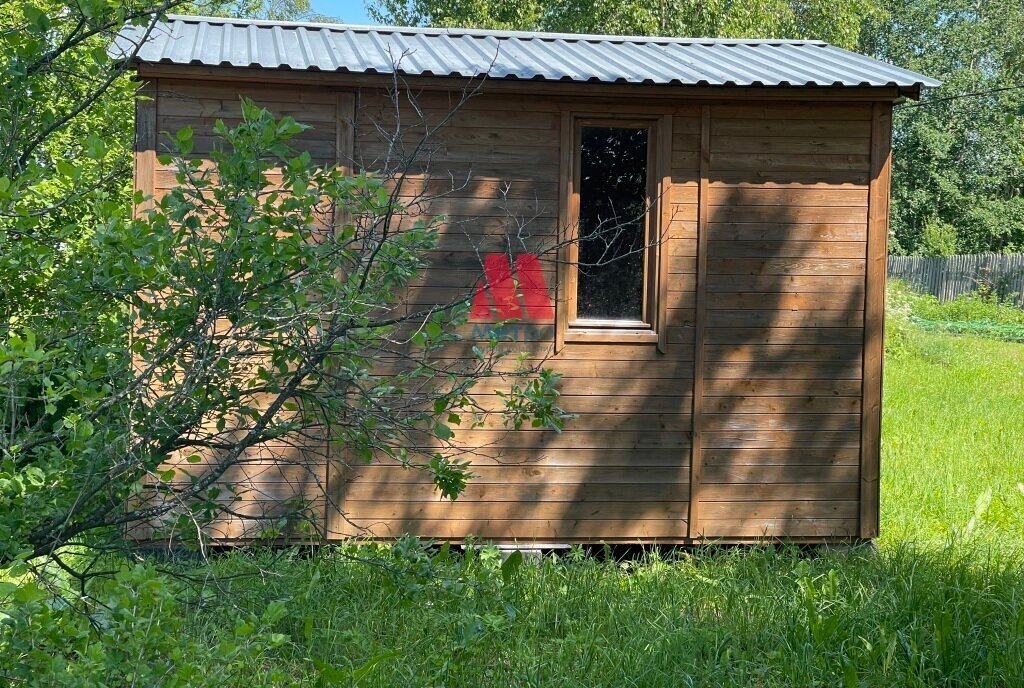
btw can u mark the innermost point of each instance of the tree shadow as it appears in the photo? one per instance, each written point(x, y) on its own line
point(783, 345)
point(780, 321)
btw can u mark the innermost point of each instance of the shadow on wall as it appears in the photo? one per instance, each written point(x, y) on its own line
point(273, 491)
point(782, 335)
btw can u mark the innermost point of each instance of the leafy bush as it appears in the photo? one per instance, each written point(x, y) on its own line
point(983, 313)
point(900, 330)
point(938, 238)
point(129, 629)
point(257, 321)
point(978, 306)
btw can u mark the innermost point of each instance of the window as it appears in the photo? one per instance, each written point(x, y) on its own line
point(610, 274)
point(612, 183)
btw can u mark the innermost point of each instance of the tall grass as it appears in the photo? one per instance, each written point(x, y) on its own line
point(952, 435)
point(981, 313)
point(941, 603)
point(761, 617)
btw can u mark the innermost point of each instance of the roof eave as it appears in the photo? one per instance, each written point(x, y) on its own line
point(284, 75)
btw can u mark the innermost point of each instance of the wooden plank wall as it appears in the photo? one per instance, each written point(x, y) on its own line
point(766, 247)
point(780, 423)
point(620, 471)
point(270, 475)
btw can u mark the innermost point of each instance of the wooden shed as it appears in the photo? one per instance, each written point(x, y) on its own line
point(727, 379)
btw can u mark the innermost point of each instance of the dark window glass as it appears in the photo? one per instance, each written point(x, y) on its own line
point(613, 209)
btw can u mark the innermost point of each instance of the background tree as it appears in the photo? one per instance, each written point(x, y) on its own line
point(835, 21)
point(66, 113)
point(959, 154)
point(278, 10)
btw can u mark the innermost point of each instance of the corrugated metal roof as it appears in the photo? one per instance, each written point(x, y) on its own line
point(186, 40)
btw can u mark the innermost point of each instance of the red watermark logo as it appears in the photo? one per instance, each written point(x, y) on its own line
point(506, 295)
point(502, 288)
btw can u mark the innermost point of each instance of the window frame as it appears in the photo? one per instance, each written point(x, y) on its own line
point(651, 329)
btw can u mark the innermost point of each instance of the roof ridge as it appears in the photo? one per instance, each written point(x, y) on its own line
point(529, 35)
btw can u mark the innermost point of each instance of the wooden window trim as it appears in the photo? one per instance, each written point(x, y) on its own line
point(652, 330)
point(145, 144)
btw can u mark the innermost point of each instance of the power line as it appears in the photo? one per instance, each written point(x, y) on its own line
point(933, 101)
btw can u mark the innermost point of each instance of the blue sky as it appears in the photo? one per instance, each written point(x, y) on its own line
point(348, 11)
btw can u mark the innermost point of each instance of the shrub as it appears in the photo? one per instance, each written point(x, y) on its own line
point(983, 313)
point(131, 630)
point(899, 310)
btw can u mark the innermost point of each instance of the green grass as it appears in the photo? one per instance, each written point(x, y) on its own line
point(979, 313)
point(738, 618)
point(940, 604)
point(953, 443)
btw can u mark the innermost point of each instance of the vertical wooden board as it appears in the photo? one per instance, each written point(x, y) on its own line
point(874, 317)
point(345, 128)
point(345, 123)
point(665, 218)
point(562, 287)
point(145, 143)
point(700, 319)
point(144, 162)
point(344, 144)
point(339, 470)
point(792, 187)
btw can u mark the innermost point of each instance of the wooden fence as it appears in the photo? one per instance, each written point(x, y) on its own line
point(948, 277)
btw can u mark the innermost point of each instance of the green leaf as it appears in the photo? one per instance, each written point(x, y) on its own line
point(368, 666)
point(37, 19)
point(184, 139)
point(510, 566)
point(850, 679)
point(66, 169)
point(99, 55)
point(168, 475)
point(329, 673)
point(443, 431)
point(84, 429)
point(95, 148)
point(30, 592)
point(307, 628)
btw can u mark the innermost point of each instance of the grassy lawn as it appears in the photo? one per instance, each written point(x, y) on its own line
point(953, 443)
point(941, 603)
